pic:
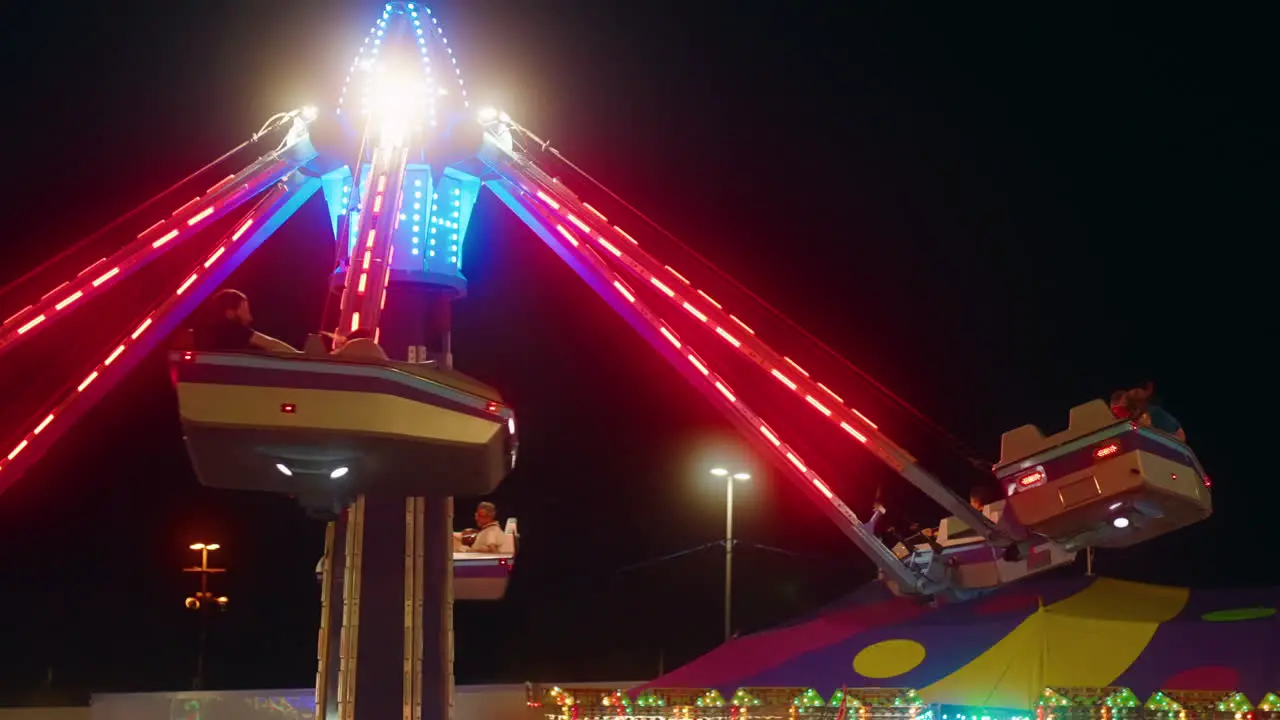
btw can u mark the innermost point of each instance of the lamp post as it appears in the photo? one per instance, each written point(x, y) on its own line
point(729, 479)
point(202, 602)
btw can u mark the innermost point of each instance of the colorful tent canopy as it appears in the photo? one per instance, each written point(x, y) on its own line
point(1004, 649)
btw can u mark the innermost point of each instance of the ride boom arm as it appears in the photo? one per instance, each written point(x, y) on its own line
point(288, 190)
point(574, 220)
point(592, 268)
point(549, 210)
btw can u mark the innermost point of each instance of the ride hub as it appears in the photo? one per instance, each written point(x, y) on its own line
point(404, 94)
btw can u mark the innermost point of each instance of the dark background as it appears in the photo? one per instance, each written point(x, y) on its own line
point(997, 211)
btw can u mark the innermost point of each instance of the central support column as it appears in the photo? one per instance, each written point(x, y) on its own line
point(433, 670)
point(386, 636)
point(386, 640)
point(395, 650)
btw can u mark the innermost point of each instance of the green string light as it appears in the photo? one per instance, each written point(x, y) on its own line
point(1122, 698)
point(1051, 703)
point(1050, 698)
point(839, 698)
point(650, 699)
point(909, 698)
point(808, 699)
point(1159, 702)
point(1234, 703)
point(712, 698)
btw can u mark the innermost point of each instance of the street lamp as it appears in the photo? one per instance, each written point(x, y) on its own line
point(729, 479)
point(204, 600)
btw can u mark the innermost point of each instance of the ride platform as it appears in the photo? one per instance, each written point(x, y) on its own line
point(1102, 482)
point(969, 563)
point(340, 425)
point(484, 576)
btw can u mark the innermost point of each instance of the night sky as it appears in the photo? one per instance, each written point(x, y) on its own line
point(998, 213)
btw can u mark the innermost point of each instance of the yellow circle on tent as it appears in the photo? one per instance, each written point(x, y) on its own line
point(888, 658)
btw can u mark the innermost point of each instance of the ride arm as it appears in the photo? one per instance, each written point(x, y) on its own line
point(230, 251)
point(574, 250)
point(589, 224)
point(182, 224)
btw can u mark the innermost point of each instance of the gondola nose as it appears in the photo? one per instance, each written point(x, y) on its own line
point(1102, 483)
point(303, 426)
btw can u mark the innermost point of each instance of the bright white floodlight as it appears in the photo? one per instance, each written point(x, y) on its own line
point(395, 101)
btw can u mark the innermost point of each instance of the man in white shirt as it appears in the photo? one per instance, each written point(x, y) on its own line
point(488, 534)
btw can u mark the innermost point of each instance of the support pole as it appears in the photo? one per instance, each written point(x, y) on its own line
point(436, 648)
point(329, 648)
point(394, 654)
point(198, 683)
point(728, 559)
point(352, 573)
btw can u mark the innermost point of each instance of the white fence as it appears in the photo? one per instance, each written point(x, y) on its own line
point(471, 702)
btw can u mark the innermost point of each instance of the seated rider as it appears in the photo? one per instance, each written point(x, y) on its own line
point(982, 497)
point(1136, 405)
point(228, 327)
point(359, 345)
point(340, 341)
point(487, 536)
point(899, 542)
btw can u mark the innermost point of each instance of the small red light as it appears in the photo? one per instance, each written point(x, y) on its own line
point(1031, 479)
point(1208, 482)
point(188, 355)
point(1107, 451)
point(288, 408)
point(492, 407)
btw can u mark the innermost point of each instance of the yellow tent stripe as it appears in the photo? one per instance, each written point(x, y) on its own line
point(1086, 640)
point(1092, 637)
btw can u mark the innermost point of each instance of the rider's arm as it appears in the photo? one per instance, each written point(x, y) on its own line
point(878, 512)
point(488, 540)
point(270, 344)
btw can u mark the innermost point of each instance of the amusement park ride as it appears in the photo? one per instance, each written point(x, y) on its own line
point(381, 433)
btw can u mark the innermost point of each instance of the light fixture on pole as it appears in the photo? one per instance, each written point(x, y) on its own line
point(204, 600)
point(729, 479)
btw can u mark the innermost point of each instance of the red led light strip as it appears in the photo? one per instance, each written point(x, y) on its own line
point(363, 281)
point(229, 241)
point(724, 393)
point(149, 244)
point(725, 326)
point(370, 239)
